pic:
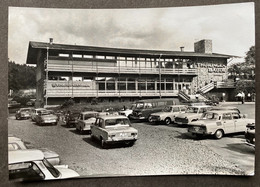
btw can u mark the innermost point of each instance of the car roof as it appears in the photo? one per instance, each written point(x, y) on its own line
point(224, 107)
point(27, 155)
point(175, 106)
point(25, 108)
point(222, 111)
point(112, 117)
point(89, 112)
point(40, 109)
point(200, 106)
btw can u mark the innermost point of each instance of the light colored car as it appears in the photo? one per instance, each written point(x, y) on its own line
point(85, 120)
point(23, 113)
point(15, 143)
point(250, 135)
point(127, 111)
point(46, 117)
point(218, 123)
point(113, 129)
point(192, 113)
point(167, 115)
point(35, 112)
point(30, 165)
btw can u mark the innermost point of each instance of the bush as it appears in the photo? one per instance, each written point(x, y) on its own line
point(68, 103)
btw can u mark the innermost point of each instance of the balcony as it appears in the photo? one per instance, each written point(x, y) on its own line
point(120, 70)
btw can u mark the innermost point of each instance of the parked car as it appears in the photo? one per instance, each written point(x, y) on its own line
point(35, 112)
point(15, 143)
point(112, 129)
point(85, 120)
point(23, 113)
point(250, 135)
point(13, 104)
point(218, 123)
point(30, 165)
point(71, 118)
point(127, 111)
point(144, 108)
point(167, 115)
point(192, 113)
point(46, 117)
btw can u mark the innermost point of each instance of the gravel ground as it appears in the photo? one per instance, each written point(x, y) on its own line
point(160, 150)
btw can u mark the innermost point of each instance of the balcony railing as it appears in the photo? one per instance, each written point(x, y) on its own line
point(117, 69)
point(109, 93)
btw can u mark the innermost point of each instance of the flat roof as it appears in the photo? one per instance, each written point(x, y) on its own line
point(35, 47)
point(26, 155)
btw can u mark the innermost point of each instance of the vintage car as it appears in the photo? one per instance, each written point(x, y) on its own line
point(15, 143)
point(46, 117)
point(218, 123)
point(167, 115)
point(71, 118)
point(23, 113)
point(250, 134)
point(192, 113)
point(30, 165)
point(127, 111)
point(112, 129)
point(13, 104)
point(35, 112)
point(144, 108)
point(85, 120)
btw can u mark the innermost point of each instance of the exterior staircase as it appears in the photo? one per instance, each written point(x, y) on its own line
point(184, 96)
point(207, 88)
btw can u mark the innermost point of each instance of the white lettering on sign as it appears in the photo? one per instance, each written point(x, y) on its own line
point(213, 68)
point(68, 85)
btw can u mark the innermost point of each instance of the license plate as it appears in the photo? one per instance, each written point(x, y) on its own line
point(196, 129)
point(123, 134)
point(50, 121)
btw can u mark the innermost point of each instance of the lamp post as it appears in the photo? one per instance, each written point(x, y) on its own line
point(160, 76)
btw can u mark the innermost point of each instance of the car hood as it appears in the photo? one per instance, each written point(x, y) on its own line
point(49, 117)
point(121, 129)
point(188, 115)
point(48, 153)
point(66, 172)
point(161, 113)
point(203, 122)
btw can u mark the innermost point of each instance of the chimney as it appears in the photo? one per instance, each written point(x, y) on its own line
point(51, 41)
point(182, 49)
point(203, 46)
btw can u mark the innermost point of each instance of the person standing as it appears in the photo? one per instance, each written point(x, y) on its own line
point(242, 97)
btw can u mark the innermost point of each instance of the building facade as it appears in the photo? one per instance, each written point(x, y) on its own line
point(86, 72)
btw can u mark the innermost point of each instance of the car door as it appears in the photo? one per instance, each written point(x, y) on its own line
point(228, 123)
point(240, 124)
point(96, 128)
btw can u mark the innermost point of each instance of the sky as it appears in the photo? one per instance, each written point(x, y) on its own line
point(231, 27)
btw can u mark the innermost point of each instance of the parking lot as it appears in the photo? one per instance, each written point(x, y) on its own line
point(159, 150)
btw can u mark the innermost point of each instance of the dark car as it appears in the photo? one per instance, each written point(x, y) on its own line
point(23, 113)
point(71, 118)
point(250, 135)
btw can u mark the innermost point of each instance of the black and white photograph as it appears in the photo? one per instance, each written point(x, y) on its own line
point(131, 92)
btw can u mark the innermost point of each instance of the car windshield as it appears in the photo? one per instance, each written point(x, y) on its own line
point(118, 121)
point(210, 115)
point(51, 169)
point(140, 105)
point(25, 110)
point(167, 109)
point(88, 116)
point(192, 110)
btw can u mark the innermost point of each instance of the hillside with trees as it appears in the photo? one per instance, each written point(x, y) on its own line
point(21, 76)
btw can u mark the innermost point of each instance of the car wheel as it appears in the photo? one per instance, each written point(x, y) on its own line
point(219, 134)
point(150, 119)
point(168, 121)
point(129, 143)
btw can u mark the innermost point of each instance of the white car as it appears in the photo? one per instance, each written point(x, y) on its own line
point(192, 113)
point(15, 143)
point(128, 111)
point(167, 115)
point(218, 123)
point(85, 120)
point(30, 165)
point(36, 112)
